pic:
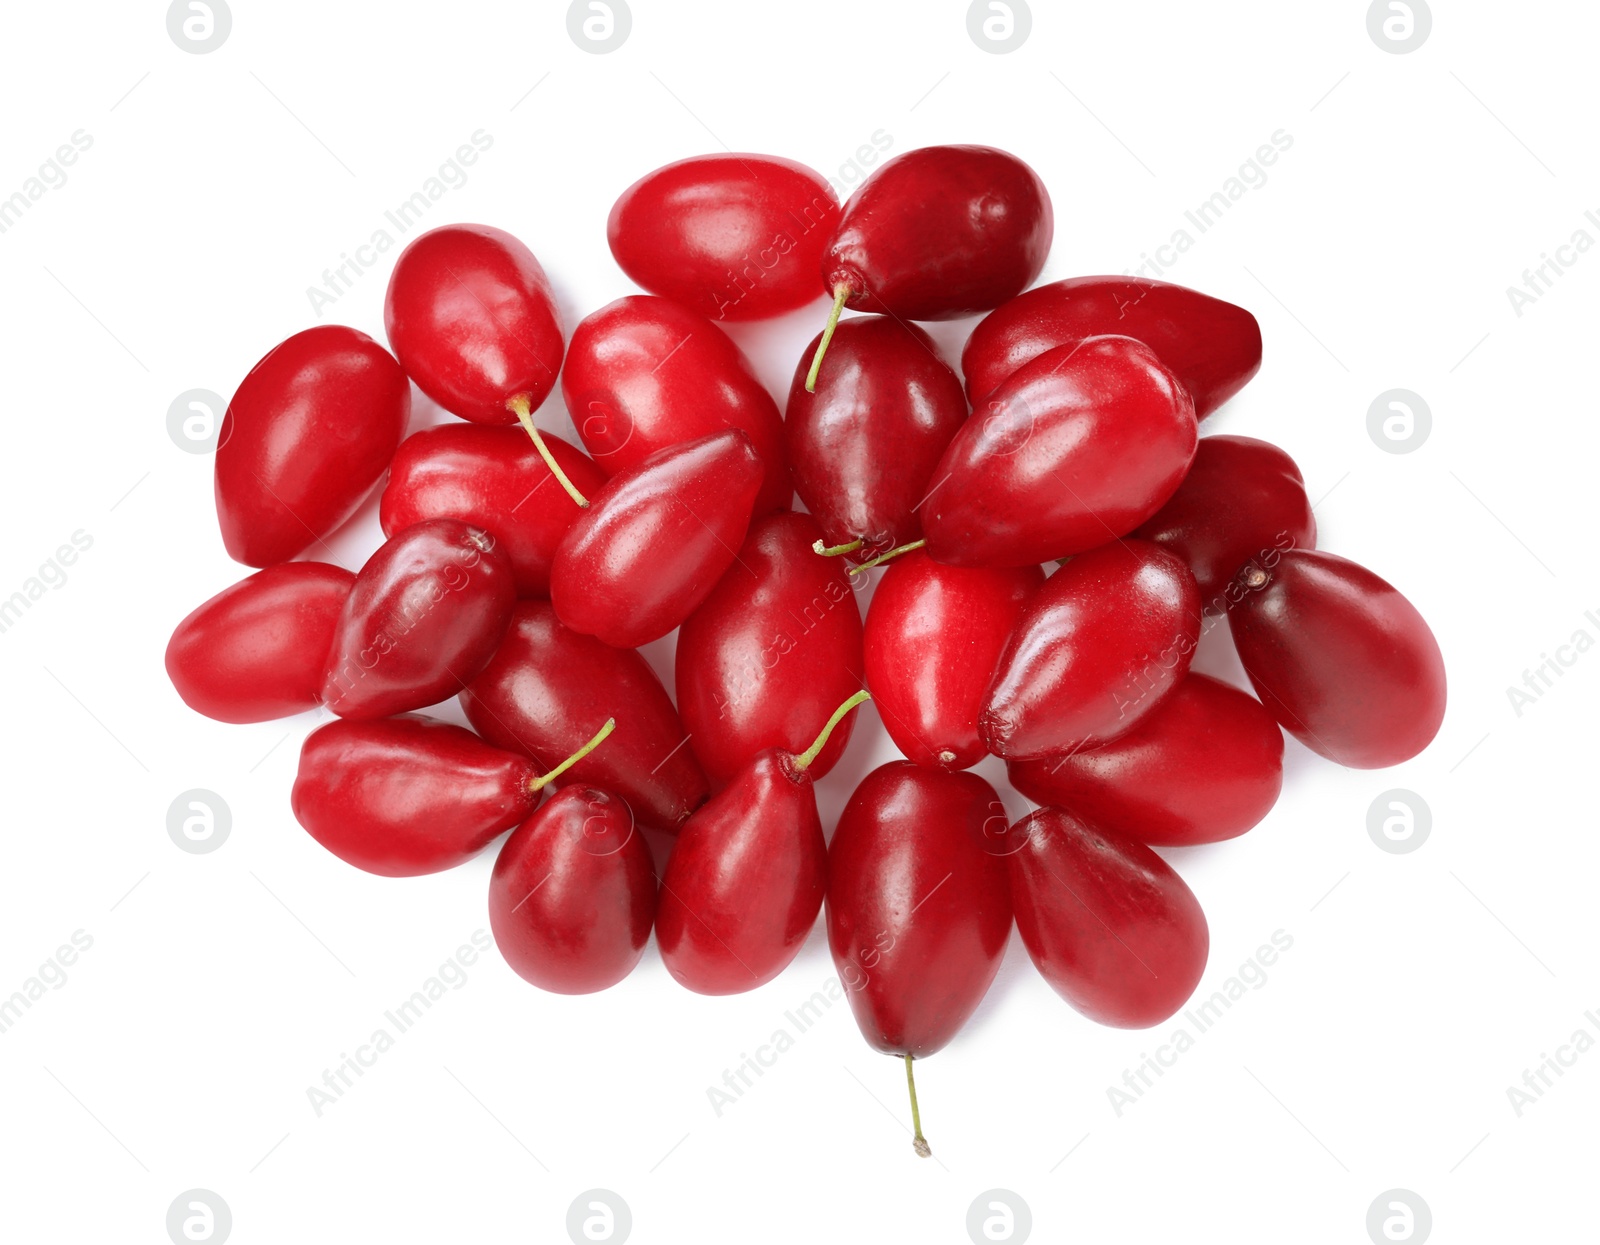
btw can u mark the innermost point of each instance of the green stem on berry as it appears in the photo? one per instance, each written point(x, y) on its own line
point(919, 1143)
point(884, 557)
point(519, 405)
point(544, 780)
point(821, 741)
point(840, 293)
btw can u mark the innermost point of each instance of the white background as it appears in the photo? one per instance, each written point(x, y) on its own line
point(1419, 987)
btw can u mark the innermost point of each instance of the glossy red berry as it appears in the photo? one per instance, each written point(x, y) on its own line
point(747, 875)
point(493, 478)
point(470, 314)
point(1098, 647)
point(425, 615)
point(933, 637)
point(655, 539)
point(767, 657)
point(863, 447)
point(918, 909)
point(744, 880)
point(1342, 660)
point(1076, 448)
point(1212, 346)
point(734, 236)
point(308, 433)
point(646, 373)
point(573, 893)
point(258, 650)
point(1204, 765)
point(548, 689)
point(408, 795)
point(1242, 499)
point(1107, 922)
point(939, 233)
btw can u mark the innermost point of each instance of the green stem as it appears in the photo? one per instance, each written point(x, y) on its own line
point(836, 550)
point(821, 742)
point(544, 780)
point(884, 557)
point(919, 1143)
point(840, 293)
point(519, 405)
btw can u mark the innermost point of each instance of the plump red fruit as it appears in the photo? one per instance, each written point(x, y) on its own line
point(1205, 765)
point(655, 540)
point(1242, 499)
point(423, 618)
point(408, 795)
point(1096, 649)
point(1107, 922)
point(1342, 660)
point(470, 315)
point(308, 433)
point(745, 879)
point(1078, 447)
point(771, 652)
point(734, 236)
point(492, 478)
point(1212, 346)
point(573, 893)
point(548, 689)
point(863, 447)
point(646, 373)
point(918, 909)
point(939, 233)
point(934, 635)
point(257, 650)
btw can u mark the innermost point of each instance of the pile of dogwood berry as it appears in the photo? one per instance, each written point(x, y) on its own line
point(1054, 534)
